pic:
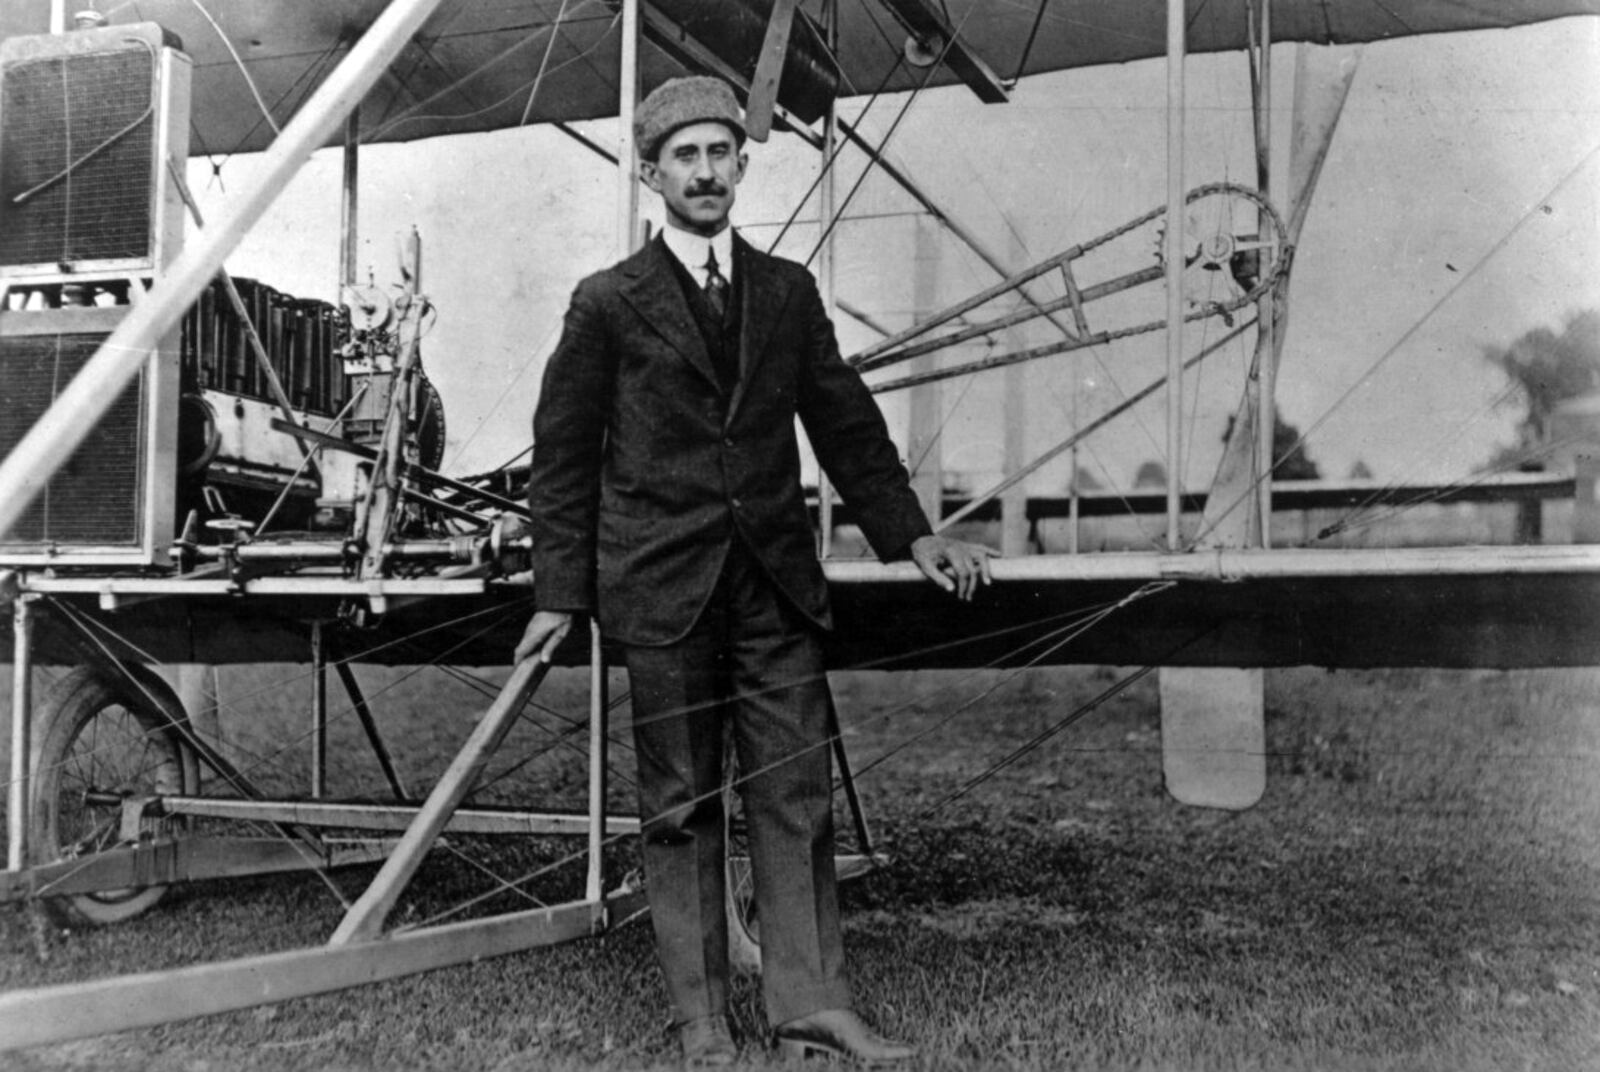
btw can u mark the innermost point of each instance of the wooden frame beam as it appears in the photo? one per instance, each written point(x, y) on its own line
point(677, 42)
point(17, 789)
point(1177, 48)
point(769, 71)
point(185, 859)
point(1227, 565)
point(394, 816)
point(80, 1010)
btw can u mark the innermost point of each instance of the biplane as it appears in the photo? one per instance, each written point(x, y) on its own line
point(206, 470)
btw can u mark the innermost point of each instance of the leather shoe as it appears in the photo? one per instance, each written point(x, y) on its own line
point(707, 1043)
point(840, 1033)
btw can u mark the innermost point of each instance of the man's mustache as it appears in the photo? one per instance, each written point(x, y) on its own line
point(709, 188)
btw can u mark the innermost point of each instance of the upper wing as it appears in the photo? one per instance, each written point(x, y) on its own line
point(490, 64)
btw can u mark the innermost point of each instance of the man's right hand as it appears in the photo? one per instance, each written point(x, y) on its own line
point(544, 633)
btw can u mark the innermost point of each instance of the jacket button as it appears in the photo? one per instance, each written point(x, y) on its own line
point(737, 504)
point(727, 441)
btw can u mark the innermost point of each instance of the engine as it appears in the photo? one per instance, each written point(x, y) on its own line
point(230, 460)
point(91, 215)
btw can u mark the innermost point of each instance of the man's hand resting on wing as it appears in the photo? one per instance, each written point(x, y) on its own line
point(954, 565)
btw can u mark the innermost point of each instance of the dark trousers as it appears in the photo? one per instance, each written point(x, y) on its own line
point(753, 664)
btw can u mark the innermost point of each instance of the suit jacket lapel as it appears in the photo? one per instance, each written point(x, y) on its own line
point(656, 295)
point(763, 297)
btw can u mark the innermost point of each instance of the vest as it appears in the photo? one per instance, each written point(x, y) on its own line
point(722, 340)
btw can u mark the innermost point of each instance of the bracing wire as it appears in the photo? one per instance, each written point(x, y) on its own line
point(1031, 745)
point(514, 885)
point(938, 433)
point(1080, 434)
point(281, 829)
point(88, 625)
point(1143, 592)
point(544, 63)
point(883, 144)
point(1367, 514)
point(1146, 536)
point(255, 91)
point(829, 163)
point(1354, 520)
point(1410, 333)
point(1067, 407)
point(309, 76)
point(502, 396)
point(309, 459)
point(501, 883)
point(348, 710)
point(1049, 644)
point(562, 738)
point(416, 114)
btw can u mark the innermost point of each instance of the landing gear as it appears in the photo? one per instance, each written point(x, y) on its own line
point(744, 927)
point(105, 737)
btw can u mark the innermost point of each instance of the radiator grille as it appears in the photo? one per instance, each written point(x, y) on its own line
point(77, 145)
point(95, 498)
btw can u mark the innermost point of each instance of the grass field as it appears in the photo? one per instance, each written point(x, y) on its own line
point(1420, 889)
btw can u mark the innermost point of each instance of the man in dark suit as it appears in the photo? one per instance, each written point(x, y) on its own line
point(666, 499)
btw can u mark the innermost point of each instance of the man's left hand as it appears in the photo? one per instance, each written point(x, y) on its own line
point(954, 565)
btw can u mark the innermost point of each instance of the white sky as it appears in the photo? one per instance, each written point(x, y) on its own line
point(1464, 175)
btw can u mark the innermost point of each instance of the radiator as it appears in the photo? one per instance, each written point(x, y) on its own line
point(89, 214)
point(87, 120)
point(96, 498)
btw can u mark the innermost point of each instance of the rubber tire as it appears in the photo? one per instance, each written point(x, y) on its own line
point(744, 928)
point(86, 704)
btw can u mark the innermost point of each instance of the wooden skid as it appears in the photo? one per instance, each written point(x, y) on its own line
point(80, 1010)
point(188, 859)
point(395, 816)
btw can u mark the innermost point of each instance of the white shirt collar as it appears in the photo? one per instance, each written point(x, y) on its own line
point(690, 249)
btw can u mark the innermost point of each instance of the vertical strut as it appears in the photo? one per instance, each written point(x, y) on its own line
point(1176, 46)
point(847, 780)
point(1074, 502)
point(599, 704)
point(1014, 503)
point(319, 714)
point(627, 152)
point(21, 732)
point(925, 416)
point(1266, 381)
point(358, 701)
point(349, 208)
point(827, 205)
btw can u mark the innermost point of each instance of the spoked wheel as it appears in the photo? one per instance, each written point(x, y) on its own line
point(104, 738)
point(744, 923)
point(744, 928)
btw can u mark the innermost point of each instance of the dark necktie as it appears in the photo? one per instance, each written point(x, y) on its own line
point(716, 289)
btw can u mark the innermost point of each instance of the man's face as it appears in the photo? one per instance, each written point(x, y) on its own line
point(695, 173)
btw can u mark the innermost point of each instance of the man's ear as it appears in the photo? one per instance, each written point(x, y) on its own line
point(651, 174)
point(744, 162)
